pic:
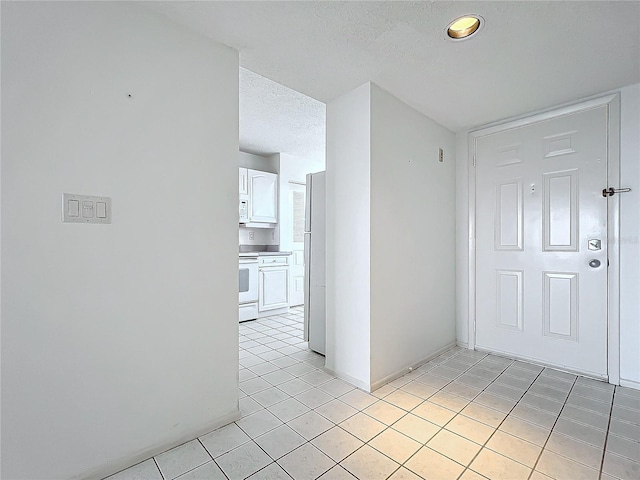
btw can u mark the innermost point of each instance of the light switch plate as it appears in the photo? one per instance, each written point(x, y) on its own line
point(85, 209)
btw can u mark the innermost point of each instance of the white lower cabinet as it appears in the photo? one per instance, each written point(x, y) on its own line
point(273, 287)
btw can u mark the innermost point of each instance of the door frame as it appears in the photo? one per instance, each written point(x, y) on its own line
point(612, 103)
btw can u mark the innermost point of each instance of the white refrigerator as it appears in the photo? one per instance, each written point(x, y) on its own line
point(315, 263)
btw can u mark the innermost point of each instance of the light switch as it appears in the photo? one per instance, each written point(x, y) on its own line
point(87, 209)
point(101, 210)
point(73, 208)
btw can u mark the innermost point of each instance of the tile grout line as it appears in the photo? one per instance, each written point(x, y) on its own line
point(483, 446)
point(551, 431)
point(606, 437)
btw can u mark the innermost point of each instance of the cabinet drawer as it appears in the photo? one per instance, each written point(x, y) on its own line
point(268, 261)
point(248, 311)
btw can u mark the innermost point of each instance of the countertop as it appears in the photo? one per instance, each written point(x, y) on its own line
point(262, 254)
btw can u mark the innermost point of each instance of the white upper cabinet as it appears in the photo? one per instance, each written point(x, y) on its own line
point(243, 178)
point(263, 194)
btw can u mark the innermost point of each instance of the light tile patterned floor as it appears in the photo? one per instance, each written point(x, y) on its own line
point(464, 415)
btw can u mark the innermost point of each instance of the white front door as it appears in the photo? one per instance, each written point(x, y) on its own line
point(541, 242)
point(296, 242)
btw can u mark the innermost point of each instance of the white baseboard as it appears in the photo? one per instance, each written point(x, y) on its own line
point(349, 379)
point(278, 311)
point(403, 371)
point(630, 384)
point(128, 461)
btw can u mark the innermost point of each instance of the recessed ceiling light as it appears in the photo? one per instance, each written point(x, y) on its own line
point(464, 27)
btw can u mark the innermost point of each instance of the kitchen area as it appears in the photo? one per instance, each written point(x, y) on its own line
point(281, 242)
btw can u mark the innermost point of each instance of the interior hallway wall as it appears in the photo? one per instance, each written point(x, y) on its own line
point(412, 237)
point(390, 237)
point(116, 339)
point(348, 235)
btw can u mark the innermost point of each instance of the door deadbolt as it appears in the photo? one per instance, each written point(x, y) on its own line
point(595, 263)
point(595, 244)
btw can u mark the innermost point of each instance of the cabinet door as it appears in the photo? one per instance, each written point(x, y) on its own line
point(263, 191)
point(243, 181)
point(274, 288)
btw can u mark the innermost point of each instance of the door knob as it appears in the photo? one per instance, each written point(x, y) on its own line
point(595, 263)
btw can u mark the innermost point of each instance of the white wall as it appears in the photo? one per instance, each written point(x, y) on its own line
point(390, 237)
point(629, 237)
point(412, 237)
point(258, 162)
point(348, 235)
point(117, 340)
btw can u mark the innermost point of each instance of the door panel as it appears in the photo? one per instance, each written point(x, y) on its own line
point(538, 202)
point(274, 288)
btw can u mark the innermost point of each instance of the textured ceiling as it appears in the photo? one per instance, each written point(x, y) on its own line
point(530, 55)
point(277, 119)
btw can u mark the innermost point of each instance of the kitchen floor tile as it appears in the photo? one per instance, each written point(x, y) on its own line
point(313, 397)
point(337, 443)
point(277, 377)
point(208, 471)
point(368, 463)
point(288, 410)
point(431, 465)
point(181, 459)
point(358, 399)
point(243, 461)
point(336, 387)
point(434, 413)
point(280, 441)
point(580, 432)
point(559, 467)
point(416, 428)
point(534, 415)
point(363, 426)
point(620, 467)
point(395, 445)
point(495, 466)
point(295, 386)
point(249, 406)
point(454, 446)
point(384, 412)
point(574, 449)
point(403, 400)
point(270, 396)
point(306, 462)
point(404, 474)
point(623, 447)
point(272, 471)
point(450, 401)
point(486, 415)
point(337, 473)
point(515, 448)
point(224, 439)
point(310, 425)
point(336, 411)
point(258, 423)
point(525, 430)
point(147, 470)
point(420, 390)
point(471, 429)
